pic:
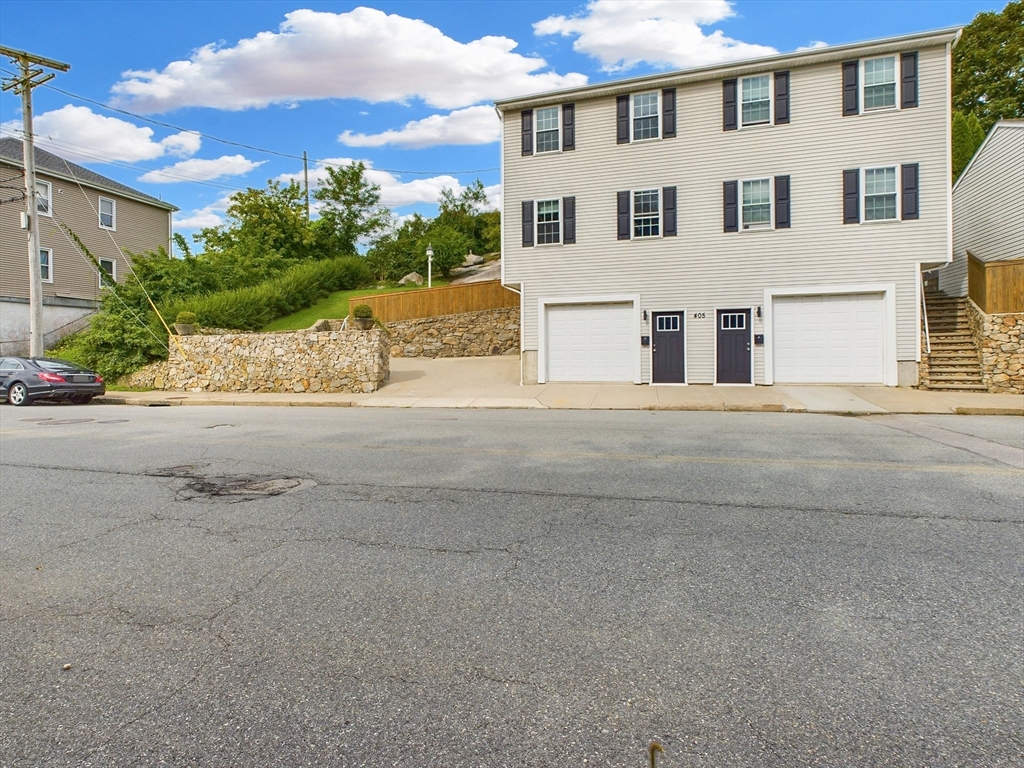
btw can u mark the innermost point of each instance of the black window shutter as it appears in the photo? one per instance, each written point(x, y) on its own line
point(568, 127)
point(908, 80)
point(850, 88)
point(623, 215)
point(729, 208)
point(527, 132)
point(909, 196)
point(668, 204)
point(527, 223)
point(568, 220)
point(782, 202)
point(728, 105)
point(668, 113)
point(622, 119)
point(781, 98)
point(851, 197)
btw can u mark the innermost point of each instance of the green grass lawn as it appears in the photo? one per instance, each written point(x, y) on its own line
point(332, 307)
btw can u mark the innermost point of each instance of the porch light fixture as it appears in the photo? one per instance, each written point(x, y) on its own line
point(758, 311)
point(645, 315)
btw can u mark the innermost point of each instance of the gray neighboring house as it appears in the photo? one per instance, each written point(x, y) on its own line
point(988, 206)
point(97, 209)
point(757, 222)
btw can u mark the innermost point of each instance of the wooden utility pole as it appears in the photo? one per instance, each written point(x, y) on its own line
point(31, 75)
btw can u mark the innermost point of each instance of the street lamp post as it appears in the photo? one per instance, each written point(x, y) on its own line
point(430, 264)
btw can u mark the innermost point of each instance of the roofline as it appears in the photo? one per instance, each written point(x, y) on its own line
point(1006, 124)
point(948, 35)
point(139, 198)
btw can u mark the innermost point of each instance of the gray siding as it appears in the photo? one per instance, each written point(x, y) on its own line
point(988, 206)
point(140, 227)
point(703, 268)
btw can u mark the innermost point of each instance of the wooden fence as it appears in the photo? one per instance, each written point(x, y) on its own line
point(996, 286)
point(435, 302)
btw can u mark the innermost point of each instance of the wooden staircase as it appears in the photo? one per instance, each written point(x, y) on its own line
point(954, 363)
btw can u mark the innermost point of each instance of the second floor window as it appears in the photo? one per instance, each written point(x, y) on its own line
point(880, 83)
point(646, 213)
point(44, 191)
point(645, 116)
point(757, 104)
point(108, 213)
point(879, 194)
point(757, 204)
point(547, 130)
point(548, 225)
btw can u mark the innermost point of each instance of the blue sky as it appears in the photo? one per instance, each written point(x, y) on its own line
point(404, 86)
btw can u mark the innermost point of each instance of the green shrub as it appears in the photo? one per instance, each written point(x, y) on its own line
point(186, 318)
point(362, 310)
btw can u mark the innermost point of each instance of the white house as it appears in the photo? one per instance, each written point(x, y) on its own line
point(760, 222)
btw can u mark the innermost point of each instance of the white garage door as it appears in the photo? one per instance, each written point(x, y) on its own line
point(835, 339)
point(589, 342)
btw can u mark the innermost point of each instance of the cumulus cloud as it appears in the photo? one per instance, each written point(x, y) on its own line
point(80, 135)
point(814, 45)
point(202, 170)
point(473, 125)
point(622, 33)
point(208, 216)
point(363, 54)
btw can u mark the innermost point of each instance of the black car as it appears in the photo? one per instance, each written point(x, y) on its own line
point(24, 380)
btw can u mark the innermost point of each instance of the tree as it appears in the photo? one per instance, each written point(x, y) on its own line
point(467, 213)
point(395, 254)
point(351, 210)
point(450, 247)
point(967, 137)
point(988, 66)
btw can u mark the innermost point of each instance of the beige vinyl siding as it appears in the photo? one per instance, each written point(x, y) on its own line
point(703, 268)
point(988, 206)
point(140, 227)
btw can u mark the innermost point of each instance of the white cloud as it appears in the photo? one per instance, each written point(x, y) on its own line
point(209, 216)
point(363, 54)
point(814, 45)
point(80, 135)
point(622, 33)
point(473, 125)
point(202, 170)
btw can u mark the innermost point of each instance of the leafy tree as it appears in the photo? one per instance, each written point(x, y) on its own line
point(467, 213)
point(967, 137)
point(450, 247)
point(988, 66)
point(350, 210)
point(396, 253)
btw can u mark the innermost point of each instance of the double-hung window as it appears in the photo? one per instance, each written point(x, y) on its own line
point(756, 100)
point(108, 214)
point(757, 204)
point(646, 213)
point(879, 194)
point(548, 222)
point(880, 83)
point(46, 264)
point(646, 116)
point(547, 129)
point(108, 266)
point(44, 197)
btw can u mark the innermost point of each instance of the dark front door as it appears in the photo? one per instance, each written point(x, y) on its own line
point(667, 351)
point(734, 346)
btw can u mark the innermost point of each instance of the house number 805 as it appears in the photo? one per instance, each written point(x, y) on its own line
point(699, 315)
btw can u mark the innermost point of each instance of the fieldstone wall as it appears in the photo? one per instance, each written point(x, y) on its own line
point(470, 334)
point(998, 337)
point(321, 359)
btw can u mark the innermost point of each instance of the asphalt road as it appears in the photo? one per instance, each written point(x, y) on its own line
point(355, 587)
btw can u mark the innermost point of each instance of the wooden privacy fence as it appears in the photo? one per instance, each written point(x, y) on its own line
point(996, 287)
point(435, 302)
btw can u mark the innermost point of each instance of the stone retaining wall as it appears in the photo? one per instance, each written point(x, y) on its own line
point(998, 337)
point(470, 334)
point(321, 359)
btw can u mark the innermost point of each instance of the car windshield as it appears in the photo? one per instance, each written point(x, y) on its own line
point(52, 364)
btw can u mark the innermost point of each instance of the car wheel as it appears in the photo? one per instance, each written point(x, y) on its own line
point(81, 399)
point(18, 394)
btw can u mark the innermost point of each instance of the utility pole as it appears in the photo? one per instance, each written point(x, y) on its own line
point(31, 75)
point(305, 176)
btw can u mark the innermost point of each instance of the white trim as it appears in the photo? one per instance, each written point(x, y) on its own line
point(657, 115)
point(750, 331)
point(771, 204)
point(49, 264)
point(504, 202)
point(890, 366)
point(739, 101)
point(898, 169)
point(685, 330)
point(614, 298)
point(113, 213)
point(897, 74)
point(113, 272)
point(632, 213)
point(558, 150)
point(49, 198)
point(536, 222)
point(949, 158)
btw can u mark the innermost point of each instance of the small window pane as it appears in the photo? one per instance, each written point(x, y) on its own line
point(879, 194)
point(44, 264)
point(646, 220)
point(734, 321)
point(668, 323)
point(757, 203)
point(42, 197)
point(548, 229)
point(547, 129)
point(757, 100)
point(106, 213)
point(880, 83)
point(645, 116)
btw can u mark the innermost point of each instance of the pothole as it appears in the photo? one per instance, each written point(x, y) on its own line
point(232, 488)
point(61, 422)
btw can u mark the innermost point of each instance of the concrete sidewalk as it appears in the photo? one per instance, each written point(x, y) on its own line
point(493, 382)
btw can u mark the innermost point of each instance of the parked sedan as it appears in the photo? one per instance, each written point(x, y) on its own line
point(24, 380)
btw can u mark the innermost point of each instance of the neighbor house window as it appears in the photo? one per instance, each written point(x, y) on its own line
point(108, 214)
point(547, 129)
point(110, 267)
point(646, 213)
point(44, 191)
point(645, 116)
point(880, 83)
point(46, 264)
point(879, 194)
point(757, 104)
point(757, 204)
point(548, 224)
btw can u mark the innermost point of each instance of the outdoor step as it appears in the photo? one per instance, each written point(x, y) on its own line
point(958, 387)
point(947, 372)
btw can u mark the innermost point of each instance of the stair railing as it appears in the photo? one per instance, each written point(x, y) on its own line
point(924, 315)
